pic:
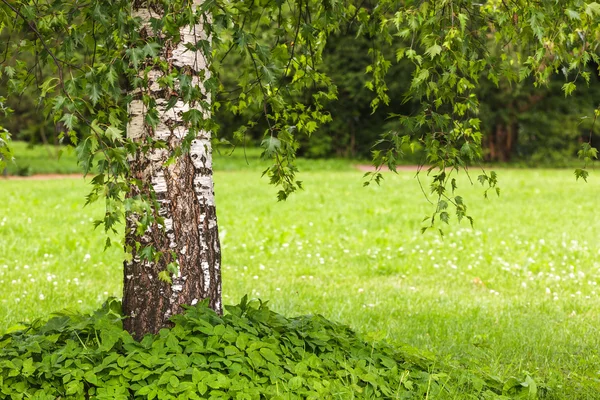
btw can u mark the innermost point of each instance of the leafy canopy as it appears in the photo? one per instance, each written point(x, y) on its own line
point(101, 58)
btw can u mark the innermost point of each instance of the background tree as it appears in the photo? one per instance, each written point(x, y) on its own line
point(138, 66)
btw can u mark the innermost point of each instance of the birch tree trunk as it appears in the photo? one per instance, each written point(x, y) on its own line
point(188, 237)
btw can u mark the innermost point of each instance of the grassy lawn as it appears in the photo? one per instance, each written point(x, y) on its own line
point(516, 295)
point(31, 160)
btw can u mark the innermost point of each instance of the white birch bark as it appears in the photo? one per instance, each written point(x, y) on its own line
point(184, 190)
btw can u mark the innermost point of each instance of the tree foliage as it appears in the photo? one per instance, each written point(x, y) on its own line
point(96, 53)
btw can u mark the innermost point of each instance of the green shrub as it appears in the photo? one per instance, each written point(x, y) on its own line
point(250, 353)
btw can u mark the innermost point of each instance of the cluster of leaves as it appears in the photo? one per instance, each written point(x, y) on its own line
point(276, 50)
point(5, 152)
point(452, 45)
point(587, 152)
point(79, 46)
point(249, 353)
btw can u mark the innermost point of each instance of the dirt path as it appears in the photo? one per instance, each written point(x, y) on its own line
point(40, 177)
point(371, 168)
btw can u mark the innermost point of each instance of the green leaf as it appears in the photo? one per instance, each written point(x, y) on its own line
point(434, 50)
point(114, 133)
point(466, 151)
point(70, 121)
point(107, 340)
point(165, 276)
point(592, 9)
point(269, 355)
point(568, 88)
point(94, 92)
point(581, 173)
point(47, 86)
point(295, 383)
point(202, 387)
point(572, 14)
point(271, 145)
point(241, 341)
point(444, 217)
point(90, 376)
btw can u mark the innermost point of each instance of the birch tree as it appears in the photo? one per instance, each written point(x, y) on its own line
point(184, 266)
point(133, 81)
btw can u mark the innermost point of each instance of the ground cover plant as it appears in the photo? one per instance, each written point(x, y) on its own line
point(249, 353)
point(515, 296)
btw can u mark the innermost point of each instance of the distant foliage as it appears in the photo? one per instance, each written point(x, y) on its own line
point(250, 353)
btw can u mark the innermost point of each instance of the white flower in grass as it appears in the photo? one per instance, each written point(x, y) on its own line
point(86, 257)
point(42, 297)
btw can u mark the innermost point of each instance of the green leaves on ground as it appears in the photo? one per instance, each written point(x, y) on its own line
point(250, 353)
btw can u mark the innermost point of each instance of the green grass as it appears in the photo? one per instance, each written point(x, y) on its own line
point(516, 295)
point(30, 160)
point(38, 159)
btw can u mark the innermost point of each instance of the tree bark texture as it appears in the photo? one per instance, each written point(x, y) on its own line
point(188, 236)
point(502, 140)
point(504, 137)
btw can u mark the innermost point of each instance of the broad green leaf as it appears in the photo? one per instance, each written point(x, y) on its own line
point(433, 50)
